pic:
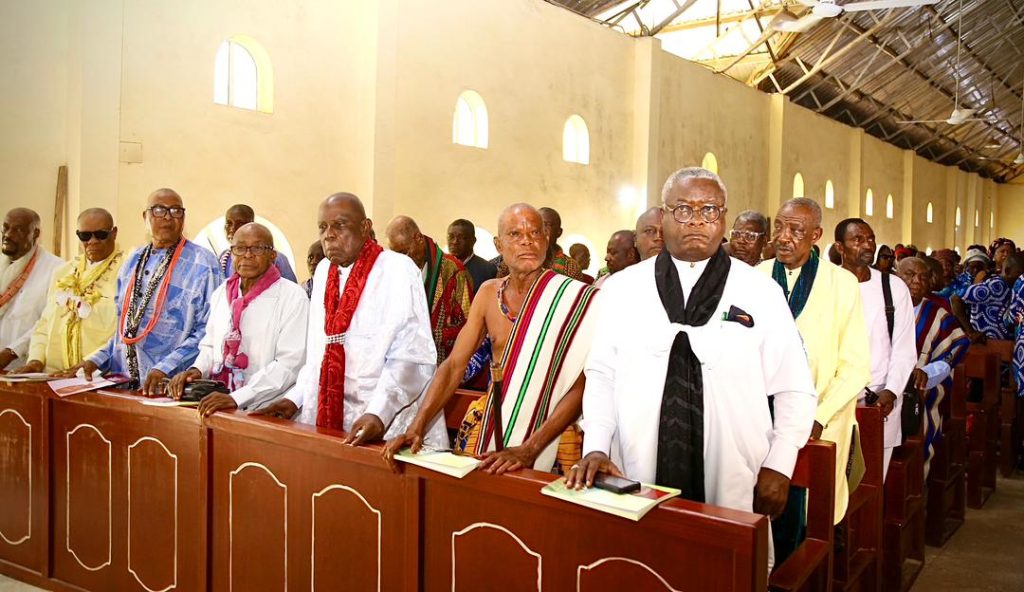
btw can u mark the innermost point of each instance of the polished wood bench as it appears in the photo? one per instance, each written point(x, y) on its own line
point(983, 426)
point(858, 554)
point(153, 498)
point(809, 567)
point(903, 515)
point(946, 496)
point(1009, 420)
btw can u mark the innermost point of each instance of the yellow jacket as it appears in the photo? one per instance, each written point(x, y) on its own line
point(50, 334)
point(836, 339)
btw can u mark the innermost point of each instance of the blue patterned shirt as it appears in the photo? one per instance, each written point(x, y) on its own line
point(173, 344)
point(989, 300)
point(957, 287)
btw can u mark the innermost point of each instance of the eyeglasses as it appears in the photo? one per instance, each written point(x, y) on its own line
point(86, 235)
point(683, 213)
point(163, 211)
point(747, 236)
point(240, 251)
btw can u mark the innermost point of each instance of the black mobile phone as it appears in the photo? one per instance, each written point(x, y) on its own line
point(615, 484)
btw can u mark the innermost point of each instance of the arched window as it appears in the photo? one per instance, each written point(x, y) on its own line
point(469, 126)
point(798, 185)
point(977, 218)
point(869, 203)
point(485, 243)
point(889, 207)
point(710, 162)
point(830, 195)
point(928, 215)
point(957, 219)
point(575, 140)
point(243, 76)
point(991, 219)
point(212, 237)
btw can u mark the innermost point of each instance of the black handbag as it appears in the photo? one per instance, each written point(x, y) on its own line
point(913, 403)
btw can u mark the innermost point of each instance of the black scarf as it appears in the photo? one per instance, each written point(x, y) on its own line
point(802, 290)
point(681, 427)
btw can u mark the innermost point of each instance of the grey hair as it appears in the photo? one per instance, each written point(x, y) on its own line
point(752, 216)
point(805, 202)
point(691, 173)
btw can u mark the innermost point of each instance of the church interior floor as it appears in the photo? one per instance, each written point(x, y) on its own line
point(985, 555)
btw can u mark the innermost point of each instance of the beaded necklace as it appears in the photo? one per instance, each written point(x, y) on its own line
point(138, 302)
point(501, 301)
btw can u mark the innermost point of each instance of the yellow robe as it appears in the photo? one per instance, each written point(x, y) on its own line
point(50, 332)
point(836, 339)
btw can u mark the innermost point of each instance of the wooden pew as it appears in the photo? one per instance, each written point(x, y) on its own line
point(336, 516)
point(129, 494)
point(810, 566)
point(1009, 440)
point(154, 498)
point(903, 515)
point(24, 482)
point(858, 555)
point(947, 494)
point(983, 421)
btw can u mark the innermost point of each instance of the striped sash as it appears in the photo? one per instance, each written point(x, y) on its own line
point(544, 356)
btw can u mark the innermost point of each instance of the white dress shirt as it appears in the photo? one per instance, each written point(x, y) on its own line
point(273, 338)
point(18, 319)
point(389, 349)
point(741, 366)
point(891, 361)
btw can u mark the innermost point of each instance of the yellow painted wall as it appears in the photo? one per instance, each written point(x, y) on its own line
point(701, 113)
point(363, 101)
point(929, 181)
point(34, 42)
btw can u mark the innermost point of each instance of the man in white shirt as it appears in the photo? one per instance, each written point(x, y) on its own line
point(689, 346)
point(891, 338)
point(25, 274)
point(369, 349)
point(255, 341)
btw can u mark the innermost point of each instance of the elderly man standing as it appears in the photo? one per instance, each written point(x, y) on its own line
point(621, 253)
point(236, 217)
point(889, 315)
point(461, 240)
point(649, 238)
point(825, 301)
point(941, 345)
point(163, 299)
point(369, 350)
point(80, 315)
point(449, 287)
point(255, 340)
point(748, 236)
point(539, 326)
point(689, 406)
point(25, 273)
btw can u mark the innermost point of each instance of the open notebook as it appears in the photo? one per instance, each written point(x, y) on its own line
point(442, 461)
point(627, 505)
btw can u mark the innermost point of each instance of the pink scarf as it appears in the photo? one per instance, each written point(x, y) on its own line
point(229, 371)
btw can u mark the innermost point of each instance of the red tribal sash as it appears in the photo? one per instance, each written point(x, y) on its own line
point(339, 309)
point(16, 285)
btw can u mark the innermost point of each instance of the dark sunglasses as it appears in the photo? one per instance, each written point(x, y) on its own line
point(86, 235)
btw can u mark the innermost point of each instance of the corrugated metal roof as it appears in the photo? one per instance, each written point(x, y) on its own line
point(871, 69)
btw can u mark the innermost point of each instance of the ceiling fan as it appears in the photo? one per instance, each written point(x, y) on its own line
point(824, 9)
point(958, 116)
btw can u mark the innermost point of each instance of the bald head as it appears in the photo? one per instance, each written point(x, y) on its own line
point(521, 241)
point(98, 213)
point(20, 232)
point(404, 236)
point(343, 227)
point(257, 232)
point(649, 239)
point(237, 216)
point(164, 197)
point(621, 252)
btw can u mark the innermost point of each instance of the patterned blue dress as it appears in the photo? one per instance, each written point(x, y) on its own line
point(989, 302)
